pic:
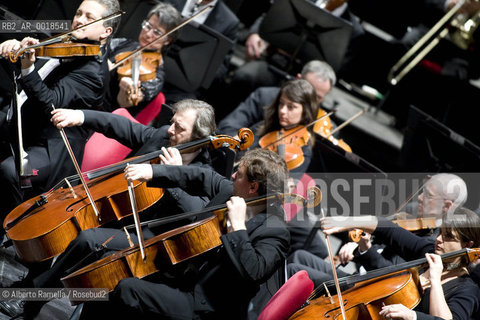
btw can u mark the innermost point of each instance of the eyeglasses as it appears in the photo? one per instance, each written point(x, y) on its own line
point(147, 27)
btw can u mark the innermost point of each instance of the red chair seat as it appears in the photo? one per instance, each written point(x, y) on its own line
point(289, 298)
point(152, 110)
point(101, 151)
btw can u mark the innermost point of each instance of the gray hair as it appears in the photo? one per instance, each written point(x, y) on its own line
point(168, 17)
point(111, 6)
point(450, 187)
point(321, 70)
point(205, 123)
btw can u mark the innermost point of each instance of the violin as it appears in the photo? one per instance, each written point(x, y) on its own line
point(147, 68)
point(60, 50)
point(288, 144)
point(172, 247)
point(42, 227)
point(324, 129)
point(148, 62)
point(376, 288)
point(410, 224)
point(63, 46)
point(139, 68)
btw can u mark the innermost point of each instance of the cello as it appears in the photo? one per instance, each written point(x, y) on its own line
point(172, 247)
point(42, 227)
point(371, 291)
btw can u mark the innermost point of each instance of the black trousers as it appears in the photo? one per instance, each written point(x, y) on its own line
point(12, 194)
point(317, 268)
point(139, 299)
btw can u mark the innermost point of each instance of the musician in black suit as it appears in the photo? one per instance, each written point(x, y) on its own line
point(252, 251)
point(192, 120)
point(69, 83)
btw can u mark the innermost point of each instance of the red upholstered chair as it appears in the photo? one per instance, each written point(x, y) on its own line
point(151, 111)
point(289, 298)
point(301, 189)
point(101, 151)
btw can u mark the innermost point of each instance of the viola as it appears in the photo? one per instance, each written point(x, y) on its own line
point(288, 144)
point(42, 227)
point(172, 247)
point(376, 288)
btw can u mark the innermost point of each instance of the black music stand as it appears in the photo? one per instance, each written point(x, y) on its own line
point(431, 146)
point(306, 32)
point(332, 158)
point(193, 59)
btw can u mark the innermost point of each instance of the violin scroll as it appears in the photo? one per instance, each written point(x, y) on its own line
point(246, 138)
point(244, 142)
point(356, 235)
point(314, 198)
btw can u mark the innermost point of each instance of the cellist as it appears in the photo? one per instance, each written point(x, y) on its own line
point(193, 120)
point(69, 83)
point(254, 248)
point(448, 294)
point(160, 19)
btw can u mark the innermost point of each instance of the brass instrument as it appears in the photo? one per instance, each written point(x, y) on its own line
point(462, 37)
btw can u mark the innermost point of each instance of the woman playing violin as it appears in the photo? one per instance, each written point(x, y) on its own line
point(449, 293)
point(294, 106)
point(159, 20)
point(70, 83)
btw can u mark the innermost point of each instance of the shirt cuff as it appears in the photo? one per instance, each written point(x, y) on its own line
point(360, 252)
point(27, 71)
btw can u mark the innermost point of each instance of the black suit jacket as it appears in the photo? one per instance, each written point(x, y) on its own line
point(142, 140)
point(76, 84)
point(250, 257)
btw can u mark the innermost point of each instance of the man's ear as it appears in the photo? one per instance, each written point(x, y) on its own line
point(469, 244)
point(253, 187)
point(299, 76)
point(447, 205)
point(106, 34)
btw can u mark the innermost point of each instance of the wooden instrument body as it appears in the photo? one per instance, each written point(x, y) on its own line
point(287, 145)
point(365, 300)
point(48, 230)
point(148, 66)
point(324, 129)
point(172, 247)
